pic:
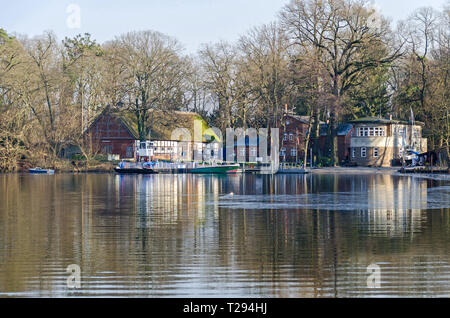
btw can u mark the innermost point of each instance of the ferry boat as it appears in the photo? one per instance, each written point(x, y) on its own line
point(129, 168)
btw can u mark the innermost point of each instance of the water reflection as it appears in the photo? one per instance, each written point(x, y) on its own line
point(186, 235)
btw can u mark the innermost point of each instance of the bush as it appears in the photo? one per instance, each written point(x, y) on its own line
point(325, 162)
point(77, 157)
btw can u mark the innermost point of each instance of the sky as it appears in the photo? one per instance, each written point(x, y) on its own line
point(193, 22)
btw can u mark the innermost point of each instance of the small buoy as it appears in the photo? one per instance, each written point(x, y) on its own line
point(231, 194)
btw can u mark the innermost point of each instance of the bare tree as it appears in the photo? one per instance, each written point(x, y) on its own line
point(219, 64)
point(265, 60)
point(349, 38)
point(154, 74)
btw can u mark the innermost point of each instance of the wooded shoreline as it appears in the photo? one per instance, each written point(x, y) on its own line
point(333, 61)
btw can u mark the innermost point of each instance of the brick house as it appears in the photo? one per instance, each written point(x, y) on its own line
point(382, 142)
point(344, 136)
point(344, 133)
point(112, 135)
point(114, 132)
point(292, 137)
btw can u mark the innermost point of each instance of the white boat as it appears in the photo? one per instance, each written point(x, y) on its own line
point(38, 170)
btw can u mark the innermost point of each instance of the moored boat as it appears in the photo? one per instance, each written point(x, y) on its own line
point(219, 169)
point(135, 170)
point(41, 171)
point(293, 171)
point(130, 168)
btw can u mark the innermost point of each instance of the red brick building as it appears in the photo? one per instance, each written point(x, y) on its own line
point(293, 129)
point(344, 134)
point(111, 134)
point(114, 132)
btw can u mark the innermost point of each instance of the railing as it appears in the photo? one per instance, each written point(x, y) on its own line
point(289, 165)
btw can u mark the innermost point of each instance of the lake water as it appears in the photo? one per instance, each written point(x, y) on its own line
point(224, 236)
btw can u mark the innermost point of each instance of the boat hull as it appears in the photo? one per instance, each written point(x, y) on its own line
point(135, 171)
point(214, 170)
point(40, 171)
point(292, 171)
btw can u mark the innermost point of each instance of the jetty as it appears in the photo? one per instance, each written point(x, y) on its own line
point(425, 170)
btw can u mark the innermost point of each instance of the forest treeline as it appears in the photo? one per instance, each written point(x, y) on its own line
point(334, 60)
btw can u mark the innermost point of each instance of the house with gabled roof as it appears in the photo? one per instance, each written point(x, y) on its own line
point(112, 134)
point(115, 132)
point(293, 129)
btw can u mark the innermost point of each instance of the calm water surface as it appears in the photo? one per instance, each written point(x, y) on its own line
point(188, 236)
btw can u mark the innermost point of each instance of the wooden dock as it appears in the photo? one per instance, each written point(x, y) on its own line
point(425, 170)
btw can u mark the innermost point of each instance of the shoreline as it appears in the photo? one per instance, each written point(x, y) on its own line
point(394, 171)
point(353, 170)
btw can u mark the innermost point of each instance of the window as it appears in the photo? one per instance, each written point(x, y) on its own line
point(107, 149)
point(375, 152)
point(371, 132)
point(363, 131)
point(129, 152)
point(353, 153)
point(283, 152)
point(291, 137)
point(285, 138)
point(293, 152)
point(363, 152)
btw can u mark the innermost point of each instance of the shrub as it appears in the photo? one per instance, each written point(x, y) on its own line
point(325, 162)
